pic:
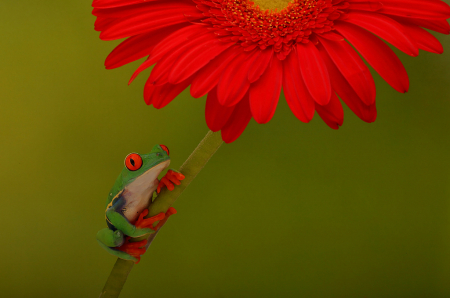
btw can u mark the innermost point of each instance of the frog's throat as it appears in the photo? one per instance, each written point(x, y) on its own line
point(138, 194)
point(272, 4)
point(156, 170)
point(148, 176)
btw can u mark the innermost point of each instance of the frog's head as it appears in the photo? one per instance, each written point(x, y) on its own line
point(146, 167)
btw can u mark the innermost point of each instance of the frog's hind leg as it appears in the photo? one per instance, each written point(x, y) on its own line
point(118, 253)
point(110, 240)
point(133, 249)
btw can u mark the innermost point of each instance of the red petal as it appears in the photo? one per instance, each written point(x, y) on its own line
point(332, 36)
point(332, 113)
point(195, 58)
point(367, 113)
point(160, 73)
point(233, 84)
point(161, 16)
point(167, 45)
point(377, 54)
point(138, 46)
point(148, 92)
point(126, 11)
point(265, 92)
point(115, 3)
point(386, 28)
point(352, 68)
point(314, 73)
point(162, 95)
point(208, 77)
point(238, 121)
point(441, 26)
point(258, 68)
point(367, 6)
point(297, 96)
point(103, 23)
point(176, 39)
point(422, 9)
point(424, 40)
point(146, 64)
point(216, 115)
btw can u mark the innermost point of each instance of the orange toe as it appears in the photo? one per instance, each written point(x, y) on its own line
point(177, 175)
point(170, 178)
point(168, 183)
point(134, 249)
point(148, 222)
point(171, 211)
point(164, 182)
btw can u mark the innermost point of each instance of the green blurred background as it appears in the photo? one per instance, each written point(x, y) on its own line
point(288, 210)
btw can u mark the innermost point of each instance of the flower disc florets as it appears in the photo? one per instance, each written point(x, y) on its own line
point(245, 23)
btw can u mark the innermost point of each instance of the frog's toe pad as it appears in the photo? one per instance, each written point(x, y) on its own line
point(165, 182)
point(134, 249)
point(172, 177)
point(170, 211)
point(148, 222)
point(175, 176)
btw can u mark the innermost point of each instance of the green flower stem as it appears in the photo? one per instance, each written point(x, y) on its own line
point(190, 168)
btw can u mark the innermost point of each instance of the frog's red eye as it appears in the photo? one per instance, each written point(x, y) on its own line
point(165, 149)
point(133, 161)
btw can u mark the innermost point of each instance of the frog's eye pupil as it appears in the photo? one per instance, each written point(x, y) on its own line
point(133, 161)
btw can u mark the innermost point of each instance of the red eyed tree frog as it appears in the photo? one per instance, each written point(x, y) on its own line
point(129, 198)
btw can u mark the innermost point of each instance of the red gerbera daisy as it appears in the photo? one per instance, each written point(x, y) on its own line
point(241, 53)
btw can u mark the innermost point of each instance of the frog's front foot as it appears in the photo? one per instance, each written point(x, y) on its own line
point(172, 177)
point(134, 249)
point(148, 222)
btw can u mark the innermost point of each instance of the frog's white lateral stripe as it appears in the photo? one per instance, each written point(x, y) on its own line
point(112, 200)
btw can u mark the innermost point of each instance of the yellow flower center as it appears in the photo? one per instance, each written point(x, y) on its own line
point(272, 4)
